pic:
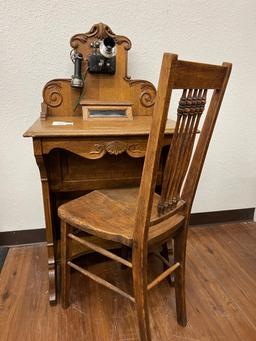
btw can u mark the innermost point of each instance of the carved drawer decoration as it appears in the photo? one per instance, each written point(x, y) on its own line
point(118, 147)
point(97, 149)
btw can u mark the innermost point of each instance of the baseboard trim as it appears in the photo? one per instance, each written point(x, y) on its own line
point(12, 238)
point(216, 217)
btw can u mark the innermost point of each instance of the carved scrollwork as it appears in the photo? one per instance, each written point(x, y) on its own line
point(83, 37)
point(148, 95)
point(96, 152)
point(148, 92)
point(99, 31)
point(41, 166)
point(52, 94)
point(119, 39)
point(136, 150)
point(116, 148)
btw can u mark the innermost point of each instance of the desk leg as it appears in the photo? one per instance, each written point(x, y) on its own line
point(48, 222)
point(50, 244)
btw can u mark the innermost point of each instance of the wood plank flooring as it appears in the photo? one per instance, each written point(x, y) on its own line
point(221, 295)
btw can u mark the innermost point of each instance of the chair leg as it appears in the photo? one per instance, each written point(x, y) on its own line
point(140, 294)
point(180, 256)
point(124, 254)
point(165, 254)
point(65, 269)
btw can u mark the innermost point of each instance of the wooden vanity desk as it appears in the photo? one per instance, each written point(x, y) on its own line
point(76, 156)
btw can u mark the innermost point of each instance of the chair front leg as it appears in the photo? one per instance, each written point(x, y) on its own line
point(139, 263)
point(65, 268)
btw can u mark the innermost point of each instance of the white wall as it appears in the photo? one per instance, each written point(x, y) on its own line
point(35, 48)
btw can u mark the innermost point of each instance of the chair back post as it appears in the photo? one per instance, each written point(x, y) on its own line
point(195, 169)
point(146, 192)
point(154, 146)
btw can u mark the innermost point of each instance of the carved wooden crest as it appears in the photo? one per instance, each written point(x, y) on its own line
point(60, 98)
point(99, 31)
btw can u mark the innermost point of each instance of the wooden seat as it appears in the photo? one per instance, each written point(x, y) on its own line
point(138, 218)
point(110, 214)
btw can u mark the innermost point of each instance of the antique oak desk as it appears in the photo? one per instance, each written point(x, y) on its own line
point(75, 155)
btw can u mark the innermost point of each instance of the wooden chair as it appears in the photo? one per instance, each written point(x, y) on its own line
point(139, 218)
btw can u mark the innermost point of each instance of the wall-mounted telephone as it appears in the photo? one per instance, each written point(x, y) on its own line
point(101, 60)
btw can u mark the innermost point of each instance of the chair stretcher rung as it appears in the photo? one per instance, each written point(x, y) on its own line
point(100, 250)
point(163, 275)
point(100, 281)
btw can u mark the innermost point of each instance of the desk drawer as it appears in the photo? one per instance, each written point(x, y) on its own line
point(95, 148)
point(70, 172)
point(88, 164)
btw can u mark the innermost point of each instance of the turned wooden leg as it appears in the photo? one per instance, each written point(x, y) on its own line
point(52, 274)
point(180, 256)
point(65, 269)
point(140, 295)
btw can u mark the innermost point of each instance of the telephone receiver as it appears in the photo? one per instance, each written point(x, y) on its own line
point(101, 60)
point(76, 79)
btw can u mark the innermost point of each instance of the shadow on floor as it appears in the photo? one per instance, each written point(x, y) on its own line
point(3, 254)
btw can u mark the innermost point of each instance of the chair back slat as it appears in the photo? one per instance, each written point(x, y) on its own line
point(189, 112)
point(185, 160)
point(198, 158)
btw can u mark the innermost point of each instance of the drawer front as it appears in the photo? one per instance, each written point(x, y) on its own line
point(95, 148)
point(71, 172)
point(88, 164)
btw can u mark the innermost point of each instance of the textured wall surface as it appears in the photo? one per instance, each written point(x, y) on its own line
point(35, 48)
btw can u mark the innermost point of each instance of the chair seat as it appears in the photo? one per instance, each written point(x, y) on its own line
point(110, 214)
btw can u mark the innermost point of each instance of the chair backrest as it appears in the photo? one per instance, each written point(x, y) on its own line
point(184, 162)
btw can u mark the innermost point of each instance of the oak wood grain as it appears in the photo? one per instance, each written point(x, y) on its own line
point(220, 286)
point(78, 157)
point(60, 97)
point(138, 126)
point(109, 216)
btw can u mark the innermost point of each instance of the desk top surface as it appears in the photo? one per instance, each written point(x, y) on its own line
point(76, 126)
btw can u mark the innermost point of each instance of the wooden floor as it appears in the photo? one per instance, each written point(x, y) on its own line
point(221, 295)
